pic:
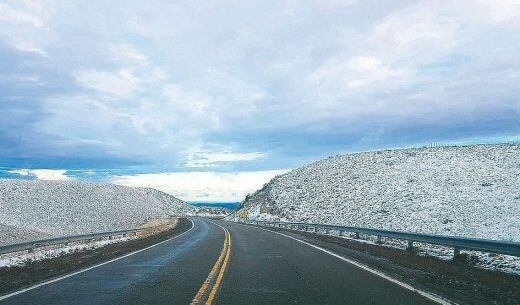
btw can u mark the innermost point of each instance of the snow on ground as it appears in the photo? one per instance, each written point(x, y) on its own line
point(32, 210)
point(24, 257)
point(471, 191)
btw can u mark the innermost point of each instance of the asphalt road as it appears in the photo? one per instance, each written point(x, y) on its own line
point(262, 268)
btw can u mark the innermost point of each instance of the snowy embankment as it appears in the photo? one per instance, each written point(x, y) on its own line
point(471, 191)
point(31, 210)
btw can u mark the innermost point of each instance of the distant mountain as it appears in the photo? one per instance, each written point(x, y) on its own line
point(215, 204)
point(469, 191)
point(41, 209)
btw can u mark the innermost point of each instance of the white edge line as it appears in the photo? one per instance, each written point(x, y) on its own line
point(425, 294)
point(12, 294)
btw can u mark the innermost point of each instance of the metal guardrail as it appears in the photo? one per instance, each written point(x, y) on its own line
point(61, 240)
point(458, 243)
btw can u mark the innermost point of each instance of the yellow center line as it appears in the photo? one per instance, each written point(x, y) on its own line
point(219, 267)
point(218, 282)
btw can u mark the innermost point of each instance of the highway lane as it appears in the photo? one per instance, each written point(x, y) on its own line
point(268, 268)
point(170, 273)
point(262, 268)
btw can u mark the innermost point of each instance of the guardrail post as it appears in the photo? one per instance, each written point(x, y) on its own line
point(379, 241)
point(456, 252)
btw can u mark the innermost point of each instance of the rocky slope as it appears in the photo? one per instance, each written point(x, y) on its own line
point(32, 210)
point(468, 191)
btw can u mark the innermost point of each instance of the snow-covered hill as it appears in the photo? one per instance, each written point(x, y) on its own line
point(32, 210)
point(468, 191)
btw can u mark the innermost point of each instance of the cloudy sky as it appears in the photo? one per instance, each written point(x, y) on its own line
point(210, 99)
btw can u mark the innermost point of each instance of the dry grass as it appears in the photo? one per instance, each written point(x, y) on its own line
point(157, 225)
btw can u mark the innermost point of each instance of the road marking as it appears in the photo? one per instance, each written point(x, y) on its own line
point(213, 280)
point(221, 274)
point(425, 294)
point(91, 267)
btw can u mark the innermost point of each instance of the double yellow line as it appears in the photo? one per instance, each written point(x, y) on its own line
point(208, 290)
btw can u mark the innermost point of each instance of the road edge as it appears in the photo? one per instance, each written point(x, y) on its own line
point(57, 279)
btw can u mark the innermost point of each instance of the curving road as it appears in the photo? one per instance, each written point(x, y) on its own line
point(225, 263)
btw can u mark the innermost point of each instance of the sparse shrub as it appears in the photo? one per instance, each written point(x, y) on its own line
point(467, 259)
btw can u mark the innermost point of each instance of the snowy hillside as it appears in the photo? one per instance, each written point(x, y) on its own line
point(468, 191)
point(41, 209)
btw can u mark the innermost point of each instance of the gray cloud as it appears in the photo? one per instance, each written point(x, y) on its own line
point(160, 82)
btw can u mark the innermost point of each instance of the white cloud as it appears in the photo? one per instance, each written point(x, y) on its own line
point(424, 28)
point(19, 16)
point(336, 4)
point(364, 70)
point(122, 83)
point(27, 47)
point(190, 103)
point(499, 11)
point(128, 54)
point(202, 186)
point(205, 159)
point(43, 174)
point(24, 26)
point(245, 74)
